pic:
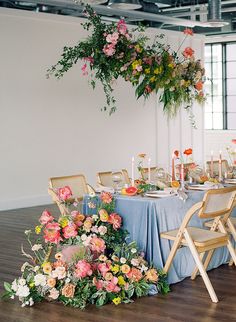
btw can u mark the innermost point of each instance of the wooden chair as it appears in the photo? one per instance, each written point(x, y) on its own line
point(104, 179)
point(78, 185)
point(216, 204)
point(225, 167)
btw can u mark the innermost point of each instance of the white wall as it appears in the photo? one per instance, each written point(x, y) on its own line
point(52, 128)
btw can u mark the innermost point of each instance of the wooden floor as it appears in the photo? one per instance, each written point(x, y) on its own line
point(188, 301)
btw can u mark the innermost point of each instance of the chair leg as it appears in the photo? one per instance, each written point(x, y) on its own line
point(232, 252)
point(206, 262)
point(200, 266)
point(195, 271)
point(171, 255)
point(233, 232)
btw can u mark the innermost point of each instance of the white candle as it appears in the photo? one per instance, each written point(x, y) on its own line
point(132, 172)
point(212, 173)
point(182, 172)
point(149, 170)
point(220, 165)
point(173, 167)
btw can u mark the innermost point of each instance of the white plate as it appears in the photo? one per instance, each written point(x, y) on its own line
point(199, 187)
point(230, 181)
point(159, 194)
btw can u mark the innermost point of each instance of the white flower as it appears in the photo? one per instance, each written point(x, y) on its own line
point(23, 291)
point(21, 281)
point(12, 297)
point(102, 230)
point(23, 267)
point(83, 237)
point(27, 232)
point(60, 272)
point(94, 229)
point(54, 293)
point(36, 247)
point(36, 268)
point(135, 261)
point(123, 260)
point(40, 280)
point(133, 250)
point(31, 302)
point(23, 305)
point(14, 286)
point(87, 241)
point(144, 268)
point(95, 217)
point(67, 280)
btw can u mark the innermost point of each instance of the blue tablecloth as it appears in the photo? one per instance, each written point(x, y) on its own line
point(145, 218)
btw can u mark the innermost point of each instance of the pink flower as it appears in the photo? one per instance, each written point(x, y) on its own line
point(121, 27)
point(89, 59)
point(106, 197)
point(111, 286)
point(233, 141)
point(52, 233)
point(139, 68)
point(134, 274)
point(148, 89)
point(115, 220)
point(109, 49)
point(147, 60)
point(84, 70)
point(188, 31)
point(102, 230)
point(103, 268)
point(97, 245)
point(46, 217)
point(98, 283)
point(83, 269)
point(188, 52)
point(112, 38)
point(64, 193)
point(70, 231)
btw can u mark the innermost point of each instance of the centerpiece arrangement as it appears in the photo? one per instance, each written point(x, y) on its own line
point(112, 51)
point(79, 260)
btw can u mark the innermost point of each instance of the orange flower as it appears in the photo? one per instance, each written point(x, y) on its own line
point(199, 86)
point(188, 52)
point(151, 275)
point(51, 282)
point(176, 154)
point(134, 274)
point(188, 31)
point(125, 269)
point(68, 290)
point(142, 155)
point(188, 151)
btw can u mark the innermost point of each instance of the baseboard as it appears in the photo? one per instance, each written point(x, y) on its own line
point(25, 202)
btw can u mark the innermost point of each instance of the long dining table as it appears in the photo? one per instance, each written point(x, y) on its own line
point(146, 218)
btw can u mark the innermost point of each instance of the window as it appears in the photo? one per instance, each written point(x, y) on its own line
point(220, 65)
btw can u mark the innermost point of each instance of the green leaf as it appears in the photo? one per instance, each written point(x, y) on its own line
point(7, 287)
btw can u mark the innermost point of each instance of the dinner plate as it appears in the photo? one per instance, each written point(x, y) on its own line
point(160, 194)
point(199, 187)
point(230, 181)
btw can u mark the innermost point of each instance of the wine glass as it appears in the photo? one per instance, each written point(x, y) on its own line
point(117, 178)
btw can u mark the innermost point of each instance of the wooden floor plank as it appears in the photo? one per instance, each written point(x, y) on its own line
point(188, 301)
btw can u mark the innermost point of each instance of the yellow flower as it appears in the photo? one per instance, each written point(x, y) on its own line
point(116, 300)
point(187, 83)
point(136, 63)
point(115, 269)
point(47, 267)
point(31, 284)
point(63, 222)
point(147, 71)
point(121, 280)
point(125, 268)
point(156, 71)
point(38, 230)
point(171, 65)
point(152, 79)
point(103, 215)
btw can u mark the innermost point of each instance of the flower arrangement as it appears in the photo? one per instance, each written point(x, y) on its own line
point(232, 153)
point(79, 260)
point(111, 51)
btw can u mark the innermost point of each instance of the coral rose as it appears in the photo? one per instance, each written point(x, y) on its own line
point(52, 233)
point(199, 86)
point(134, 274)
point(103, 215)
point(46, 217)
point(97, 244)
point(106, 197)
point(188, 52)
point(70, 231)
point(64, 193)
point(188, 31)
point(83, 269)
point(68, 290)
point(115, 220)
point(151, 275)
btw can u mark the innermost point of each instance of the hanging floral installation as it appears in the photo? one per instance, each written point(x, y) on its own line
point(111, 51)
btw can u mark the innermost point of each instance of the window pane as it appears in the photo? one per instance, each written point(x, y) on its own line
point(207, 87)
point(207, 53)
point(208, 105)
point(217, 87)
point(217, 52)
point(217, 70)
point(218, 121)
point(208, 121)
point(231, 52)
point(231, 69)
point(207, 67)
point(231, 86)
point(217, 104)
point(231, 118)
point(231, 104)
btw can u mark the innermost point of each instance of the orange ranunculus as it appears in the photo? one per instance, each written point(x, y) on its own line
point(188, 151)
point(188, 31)
point(176, 153)
point(199, 86)
point(188, 52)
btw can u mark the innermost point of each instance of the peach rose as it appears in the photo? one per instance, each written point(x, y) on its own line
point(51, 282)
point(68, 290)
point(151, 275)
point(125, 269)
point(108, 276)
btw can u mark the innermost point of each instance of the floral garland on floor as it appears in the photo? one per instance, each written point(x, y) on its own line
point(112, 52)
point(79, 260)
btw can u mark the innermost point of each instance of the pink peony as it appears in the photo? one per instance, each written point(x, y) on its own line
point(97, 245)
point(115, 220)
point(89, 59)
point(121, 27)
point(134, 274)
point(112, 38)
point(83, 269)
point(111, 286)
point(52, 233)
point(106, 197)
point(103, 268)
point(70, 231)
point(46, 217)
point(98, 283)
point(64, 193)
point(109, 50)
